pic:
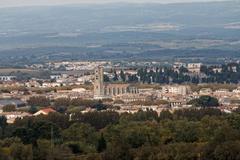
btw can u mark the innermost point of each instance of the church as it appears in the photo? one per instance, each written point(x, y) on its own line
point(104, 90)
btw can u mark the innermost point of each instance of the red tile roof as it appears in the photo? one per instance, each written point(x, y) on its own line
point(47, 110)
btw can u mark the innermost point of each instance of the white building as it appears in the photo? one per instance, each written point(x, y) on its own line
point(237, 91)
point(12, 116)
point(206, 91)
point(217, 69)
point(86, 78)
point(178, 65)
point(194, 67)
point(49, 84)
point(55, 77)
point(7, 78)
point(176, 89)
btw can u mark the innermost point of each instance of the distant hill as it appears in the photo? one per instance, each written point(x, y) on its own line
point(89, 28)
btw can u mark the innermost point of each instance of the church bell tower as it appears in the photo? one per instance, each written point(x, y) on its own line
point(98, 83)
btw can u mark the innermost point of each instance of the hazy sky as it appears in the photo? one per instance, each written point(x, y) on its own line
point(9, 3)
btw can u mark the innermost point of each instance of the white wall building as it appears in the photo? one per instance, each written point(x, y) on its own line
point(194, 67)
point(176, 89)
point(7, 78)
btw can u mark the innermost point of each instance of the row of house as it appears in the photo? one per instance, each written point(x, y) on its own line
point(12, 116)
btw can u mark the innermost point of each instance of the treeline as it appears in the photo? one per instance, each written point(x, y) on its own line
point(190, 134)
point(71, 105)
point(65, 104)
point(227, 73)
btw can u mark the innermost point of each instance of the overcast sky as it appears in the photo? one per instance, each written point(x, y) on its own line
point(10, 3)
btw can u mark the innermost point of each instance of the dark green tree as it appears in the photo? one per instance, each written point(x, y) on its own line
point(3, 124)
point(106, 78)
point(115, 78)
point(123, 76)
point(33, 109)
point(102, 144)
point(205, 101)
point(9, 108)
point(41, 101)
point(166, 114)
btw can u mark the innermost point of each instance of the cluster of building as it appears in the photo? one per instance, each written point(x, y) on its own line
point(132, 96)
point(176, 95)
point(7, 78)
point(12, 116)
point(71, 66)
point(191, 67)
point(104, 90)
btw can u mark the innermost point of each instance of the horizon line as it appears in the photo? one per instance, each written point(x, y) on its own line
point(109, 3)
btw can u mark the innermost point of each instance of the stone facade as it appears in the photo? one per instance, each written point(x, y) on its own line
point(110, 90)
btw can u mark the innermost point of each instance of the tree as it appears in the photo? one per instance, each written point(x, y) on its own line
point(20, 151)
point(186, 131)
point(224, 145)
point(115, 78)
point(31, 129)
point(83, 102)
point(96, 119)
point(183, 70)
point(195, 114)
point(3, 124)
point(41, 101)
point(62, 102)
point(43, 149)
point(228, 150)
point(9, 108)
point(234, 120)
point(4, 153)
point(45, 130)
point(80, 132)
point(205, 101)
point(123, 76)
point(33, 109)
point(148, 115)
point(100, 106)
point(81, 138)
point(106, 78)
point(102, 144)
point(132, 78)
point(60, 120)
point(165, 114)
point(25, 134)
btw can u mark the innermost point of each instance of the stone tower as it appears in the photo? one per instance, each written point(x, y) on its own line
point(98, 83)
